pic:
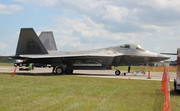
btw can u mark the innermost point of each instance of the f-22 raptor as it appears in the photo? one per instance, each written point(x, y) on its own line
point(31, 50)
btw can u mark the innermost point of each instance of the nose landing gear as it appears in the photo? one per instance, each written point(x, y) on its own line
point(117, 72)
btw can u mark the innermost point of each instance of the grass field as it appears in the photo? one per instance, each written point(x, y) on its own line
point(6, 64)
point(73, 93)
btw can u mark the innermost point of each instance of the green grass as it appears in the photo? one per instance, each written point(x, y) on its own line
point(73, 93)
point(6, 64)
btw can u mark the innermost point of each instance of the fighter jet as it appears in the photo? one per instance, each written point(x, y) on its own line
point(31, 50)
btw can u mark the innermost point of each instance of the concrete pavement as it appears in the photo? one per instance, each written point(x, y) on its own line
point(93, 73)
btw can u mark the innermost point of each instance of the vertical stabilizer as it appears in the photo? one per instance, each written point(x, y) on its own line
point(29, 43)
point(48, 41)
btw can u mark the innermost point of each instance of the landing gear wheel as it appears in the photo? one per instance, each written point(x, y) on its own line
point(124, 74)
point(59, 70)
point(117, 72)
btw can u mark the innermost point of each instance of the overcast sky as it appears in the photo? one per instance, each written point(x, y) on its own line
point(92, 24)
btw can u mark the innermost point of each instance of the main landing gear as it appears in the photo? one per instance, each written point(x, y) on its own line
point(61, 70)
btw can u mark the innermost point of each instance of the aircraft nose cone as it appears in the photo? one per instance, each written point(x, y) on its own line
point(163, 57)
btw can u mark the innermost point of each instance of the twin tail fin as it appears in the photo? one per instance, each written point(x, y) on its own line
point(29, 43)
point(48, 41)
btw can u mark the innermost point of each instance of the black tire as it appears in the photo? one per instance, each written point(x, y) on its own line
point(124, 74)
point(117, 72)
point(59, 70)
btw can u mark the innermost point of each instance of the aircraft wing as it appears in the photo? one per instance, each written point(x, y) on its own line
point(43, 56)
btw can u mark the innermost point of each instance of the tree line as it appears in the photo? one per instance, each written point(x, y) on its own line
point(7, 60)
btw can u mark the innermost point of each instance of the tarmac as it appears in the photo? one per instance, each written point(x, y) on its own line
point(91, 73)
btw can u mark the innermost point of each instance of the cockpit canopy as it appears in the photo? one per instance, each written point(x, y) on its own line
point(132, 46)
